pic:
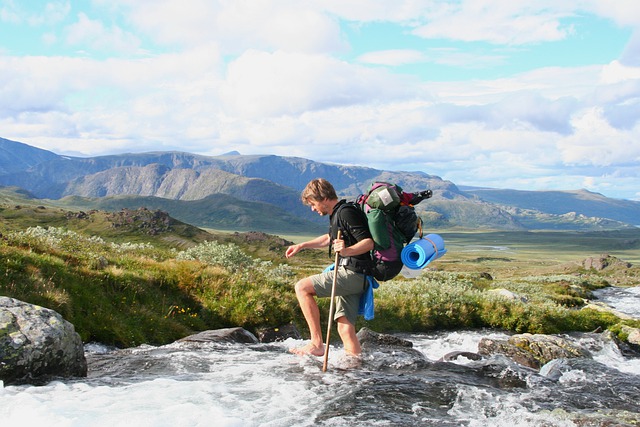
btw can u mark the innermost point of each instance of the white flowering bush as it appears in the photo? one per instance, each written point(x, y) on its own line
point(56, 238)
point(232, 258)
point(130, 247)
point(228, 256)
point(82, 246)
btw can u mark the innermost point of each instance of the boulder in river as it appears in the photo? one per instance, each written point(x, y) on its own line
point(37, 344)
point(281, 333)
point(532, 350)
point(232, 335)
point(383, 351)
point(369, 338)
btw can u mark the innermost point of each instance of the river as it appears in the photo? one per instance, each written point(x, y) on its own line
point(216, 384)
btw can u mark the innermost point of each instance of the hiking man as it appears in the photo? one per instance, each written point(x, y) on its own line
point(354, 247)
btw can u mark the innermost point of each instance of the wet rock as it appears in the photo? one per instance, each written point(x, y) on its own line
point(37, 344)
point(633, 337)
point(532, 350)
point(507, 374)
point(454, 355)
point(555, 369)
point(369, 338)
point(548, 347)
point(489, 347)
point(383, 351)
point(266, 335)
point(232, 335)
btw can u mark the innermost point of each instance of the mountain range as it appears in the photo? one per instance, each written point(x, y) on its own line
point(262, 192)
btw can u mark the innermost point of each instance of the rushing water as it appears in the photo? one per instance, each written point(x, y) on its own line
point(624, 300)
point(217, 384)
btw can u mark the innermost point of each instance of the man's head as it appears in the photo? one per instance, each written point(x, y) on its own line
point(320, 195)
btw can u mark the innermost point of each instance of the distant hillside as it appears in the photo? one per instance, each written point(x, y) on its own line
point(16, 157)
point(563, 202)
point(262, 192)
point(217, 211)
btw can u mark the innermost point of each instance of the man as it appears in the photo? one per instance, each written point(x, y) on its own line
point(354, 247)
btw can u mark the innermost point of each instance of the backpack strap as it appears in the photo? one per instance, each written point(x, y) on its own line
point(363, 263)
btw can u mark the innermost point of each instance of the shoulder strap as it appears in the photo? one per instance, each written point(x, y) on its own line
point(336, 220)
point(336, 223)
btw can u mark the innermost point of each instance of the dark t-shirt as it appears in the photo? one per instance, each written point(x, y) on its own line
point(352, 222)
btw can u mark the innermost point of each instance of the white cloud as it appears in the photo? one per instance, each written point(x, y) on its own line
point(631, 54)
point(9, 14)
point(596, 142)
point(393, 57)
point(52, 13)
point(260, 84)
point(625, 13)
point(92, 34)
point(504, 22)
point(237, 25)
point(616, 72)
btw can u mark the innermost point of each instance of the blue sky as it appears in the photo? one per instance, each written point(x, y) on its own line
point(540, 95)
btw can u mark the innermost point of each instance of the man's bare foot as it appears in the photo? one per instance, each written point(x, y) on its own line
point(310, 348)
point(350, 361)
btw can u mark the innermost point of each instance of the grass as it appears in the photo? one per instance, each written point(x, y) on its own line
point(132, 283)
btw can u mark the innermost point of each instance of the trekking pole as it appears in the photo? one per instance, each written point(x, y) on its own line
point(331, 308)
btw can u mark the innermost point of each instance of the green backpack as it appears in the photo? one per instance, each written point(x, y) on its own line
point(393, 222)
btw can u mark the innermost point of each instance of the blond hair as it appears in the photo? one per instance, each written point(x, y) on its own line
point(318, 190)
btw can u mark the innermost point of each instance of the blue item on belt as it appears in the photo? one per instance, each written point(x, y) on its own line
point(365, 307)
point(366, 300)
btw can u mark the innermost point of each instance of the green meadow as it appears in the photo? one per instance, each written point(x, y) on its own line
point(137, 277)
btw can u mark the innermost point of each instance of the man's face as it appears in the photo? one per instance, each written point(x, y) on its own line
point(322, 206)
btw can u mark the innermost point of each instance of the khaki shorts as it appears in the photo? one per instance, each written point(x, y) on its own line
point(349, 287)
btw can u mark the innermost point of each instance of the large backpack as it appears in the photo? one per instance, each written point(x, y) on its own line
point(393, 222)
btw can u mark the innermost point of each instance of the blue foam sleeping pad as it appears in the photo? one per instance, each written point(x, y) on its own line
point(418, 254)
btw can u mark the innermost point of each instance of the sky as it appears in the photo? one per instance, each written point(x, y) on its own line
point(519, 94)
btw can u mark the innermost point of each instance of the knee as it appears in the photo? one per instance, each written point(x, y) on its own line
point(304, 286)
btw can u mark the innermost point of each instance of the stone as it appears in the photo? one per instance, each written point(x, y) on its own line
point(367, 338)
point(383, 351)
point(268, 335)
point(532, 350)
point(545, 348)
point(604, 261)
point(232, 335)
point(37, 344)
point(455, 355)
point(633, 335)
point(489, 347)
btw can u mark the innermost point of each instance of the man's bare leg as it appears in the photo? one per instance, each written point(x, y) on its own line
point(347, 332)
point(305, 294)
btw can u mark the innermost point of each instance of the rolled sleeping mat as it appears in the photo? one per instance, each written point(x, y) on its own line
point(418, 254)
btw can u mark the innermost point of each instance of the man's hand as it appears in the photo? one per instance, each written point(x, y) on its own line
point(318, 242)
point(292, 250)
point(338, 245)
